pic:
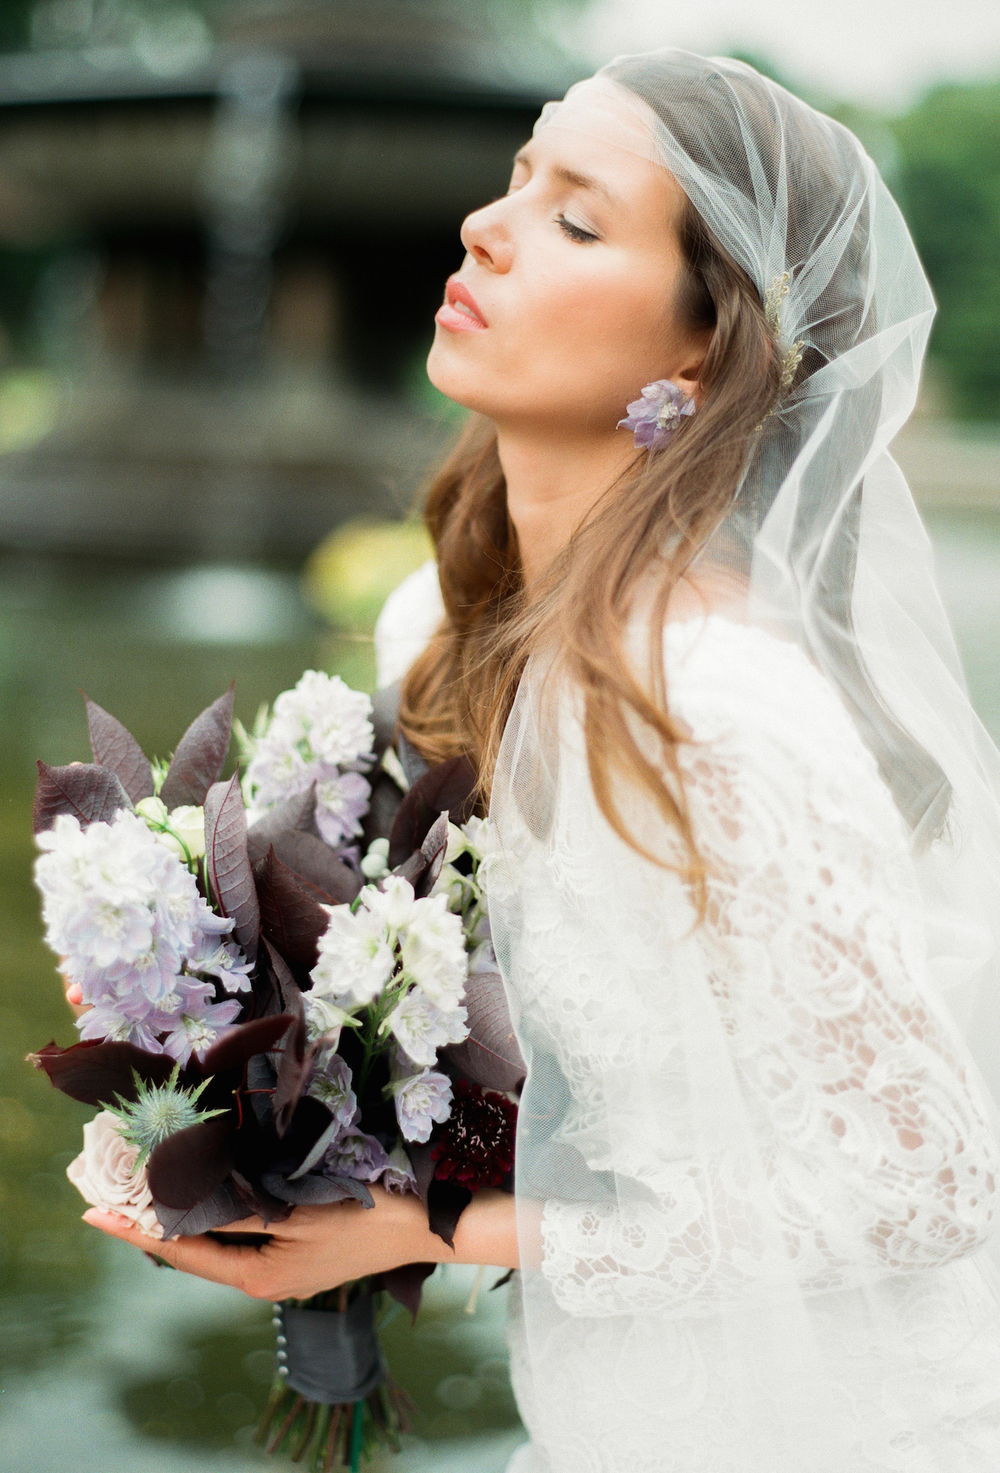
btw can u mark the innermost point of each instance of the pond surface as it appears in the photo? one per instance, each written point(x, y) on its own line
point(106, 1362)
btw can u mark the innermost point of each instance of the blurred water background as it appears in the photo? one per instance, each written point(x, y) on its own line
point(223, 233)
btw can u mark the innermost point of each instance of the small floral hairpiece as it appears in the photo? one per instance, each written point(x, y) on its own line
point(654, 418)
point(792, 356)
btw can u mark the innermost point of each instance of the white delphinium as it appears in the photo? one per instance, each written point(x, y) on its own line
point(357, 951)
point(356, 956)
point(398, 957)
point(394, 904)
point(464, 889)
point(324, 1016)
point(432, 945)
point(199, 1027)
point(319, 732)
point(421, 1100)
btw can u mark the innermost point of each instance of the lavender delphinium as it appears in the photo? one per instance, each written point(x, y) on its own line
point(357, 1155)
point(127, 920)
point(422, 1100)
point(654, 418)
point(319, 732)
point(330, 1084)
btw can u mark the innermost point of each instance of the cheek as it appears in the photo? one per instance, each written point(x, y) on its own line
point(598, 333)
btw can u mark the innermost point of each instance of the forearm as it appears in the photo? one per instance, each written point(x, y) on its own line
point(486, 1233)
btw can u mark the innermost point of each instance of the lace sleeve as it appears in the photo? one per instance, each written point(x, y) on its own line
point(872, 1148)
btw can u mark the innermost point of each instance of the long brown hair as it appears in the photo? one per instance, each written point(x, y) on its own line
point(458, 694)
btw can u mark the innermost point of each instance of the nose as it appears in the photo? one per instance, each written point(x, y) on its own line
point(486, 237)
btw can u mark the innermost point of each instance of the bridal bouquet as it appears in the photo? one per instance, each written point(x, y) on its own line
point(290, 994)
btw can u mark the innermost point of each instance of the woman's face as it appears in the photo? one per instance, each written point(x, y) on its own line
point(564, 306)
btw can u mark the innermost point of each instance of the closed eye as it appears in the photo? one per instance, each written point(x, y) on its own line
point(575, 232)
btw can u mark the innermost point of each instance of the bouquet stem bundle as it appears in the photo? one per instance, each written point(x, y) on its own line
point(324, 1425)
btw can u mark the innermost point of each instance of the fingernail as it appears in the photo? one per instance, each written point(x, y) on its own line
point(74, 994)
point(101, 1217)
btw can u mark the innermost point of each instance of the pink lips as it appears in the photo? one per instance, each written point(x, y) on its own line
point(452, 316)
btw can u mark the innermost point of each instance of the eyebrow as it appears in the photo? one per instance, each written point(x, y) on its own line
point(572, 176)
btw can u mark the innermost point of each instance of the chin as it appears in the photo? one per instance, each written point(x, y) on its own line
point(455, 379)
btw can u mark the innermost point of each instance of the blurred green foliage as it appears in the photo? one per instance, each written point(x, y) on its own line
point(15, 24)
point(949, 187)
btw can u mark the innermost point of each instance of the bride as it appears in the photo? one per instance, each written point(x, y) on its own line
point(745, 862)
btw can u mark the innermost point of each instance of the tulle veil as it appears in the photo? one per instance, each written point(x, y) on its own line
point(838, 564)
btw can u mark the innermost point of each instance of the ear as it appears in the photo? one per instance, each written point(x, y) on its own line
point(688, 378)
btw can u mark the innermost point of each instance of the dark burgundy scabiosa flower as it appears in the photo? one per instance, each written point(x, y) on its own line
point(475, 1146)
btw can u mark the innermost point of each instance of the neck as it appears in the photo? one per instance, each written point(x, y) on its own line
point(553, 484)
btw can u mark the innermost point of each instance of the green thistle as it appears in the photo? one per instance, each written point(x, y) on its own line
point(161, 1110)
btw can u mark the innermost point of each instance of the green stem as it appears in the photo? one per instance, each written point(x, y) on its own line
point(374, 1019)
point(357, 1433)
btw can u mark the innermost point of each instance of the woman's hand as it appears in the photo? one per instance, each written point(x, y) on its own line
point(318, 1248)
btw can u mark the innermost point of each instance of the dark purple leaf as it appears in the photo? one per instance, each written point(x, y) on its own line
point(298, 812)
point(411, 869)
point(189, 1165)
point(313, 862)
point(94, 1073)
point(433, 850)
point(318, 1149)
point(260, 1201)
point(261, 1080)
point(240, 1044)
point(450, 787)
point(446, 1201)
point(406, 1283)
point(385, 802)
point(414, 766)
point(224, 1206)
point(423, 1167)
point(315, 1189)
point(229, 864)
point(91, 793)
point(114, 746)
point(296, 1061)
point(200, 754)
point(292, 917)
point(490, 1055)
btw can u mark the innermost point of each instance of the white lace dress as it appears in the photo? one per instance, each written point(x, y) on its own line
point(757, 1170)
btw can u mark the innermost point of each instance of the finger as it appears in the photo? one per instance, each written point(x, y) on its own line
point(197, 1255)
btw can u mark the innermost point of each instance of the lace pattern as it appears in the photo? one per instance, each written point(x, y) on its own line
point(766, 1162)
point(872, 1135)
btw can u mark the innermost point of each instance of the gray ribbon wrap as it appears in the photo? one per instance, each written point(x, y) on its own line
point(328, 1356)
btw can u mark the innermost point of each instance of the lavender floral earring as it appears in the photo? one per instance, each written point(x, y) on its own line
point(655, 417)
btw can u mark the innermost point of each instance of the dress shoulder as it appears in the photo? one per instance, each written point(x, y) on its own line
point(759, 701)
point(409, 617)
